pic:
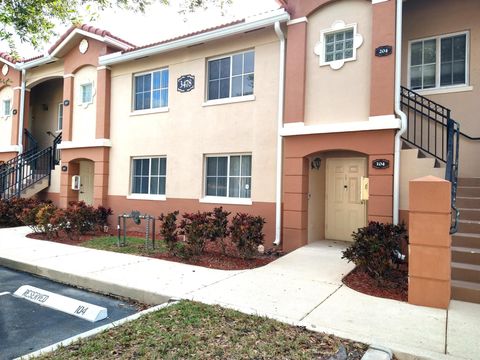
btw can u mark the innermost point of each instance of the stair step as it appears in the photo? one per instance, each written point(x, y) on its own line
point(469, 214)
point(468, 202)
point(466, 255)
point(467, 191)
point(467, 240)
point(469, 226)
point(468, 181)
point(466, 291)
point(466, 272)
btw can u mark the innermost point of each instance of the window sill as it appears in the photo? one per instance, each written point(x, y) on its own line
point(150, 111)
point(445, 90)
point(146, 197)
point(231, 100)
point(225, 200)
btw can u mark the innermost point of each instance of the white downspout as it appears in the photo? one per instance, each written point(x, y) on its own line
point(21, 112)
point(399, 112)
point(281, 91)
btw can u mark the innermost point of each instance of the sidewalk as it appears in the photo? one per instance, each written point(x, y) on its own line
point(302, 288)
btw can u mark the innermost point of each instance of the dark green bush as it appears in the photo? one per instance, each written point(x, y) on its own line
point(197, 229)
point(247, 233)
point(169, 230)
point(219, 227)
point(375, 248)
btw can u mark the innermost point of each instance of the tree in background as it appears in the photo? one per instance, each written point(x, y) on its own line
point(34, 21)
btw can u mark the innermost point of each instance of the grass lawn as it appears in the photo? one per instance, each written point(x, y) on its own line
point(134, 245)
point(189, 330)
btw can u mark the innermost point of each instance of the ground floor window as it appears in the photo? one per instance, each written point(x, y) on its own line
point(229, 176)
point(149, 175)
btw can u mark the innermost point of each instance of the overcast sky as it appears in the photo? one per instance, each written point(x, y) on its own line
point(162, 22)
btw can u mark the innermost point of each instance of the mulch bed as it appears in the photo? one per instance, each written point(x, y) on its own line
point(212, 257)
point(396, 288)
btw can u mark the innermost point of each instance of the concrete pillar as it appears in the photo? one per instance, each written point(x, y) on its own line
point(66, 192)
point(429, 267)
point(16, 116)
point(103, 104)
point(295, 203)
point(68, 83)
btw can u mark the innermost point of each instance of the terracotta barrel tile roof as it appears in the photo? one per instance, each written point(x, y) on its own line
point(8, 57)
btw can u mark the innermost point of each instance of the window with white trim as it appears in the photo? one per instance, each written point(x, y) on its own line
point(231, 76)
point(60, 116)
point(339, 45)
point(7, 107)
point(149, 175)
point(87, 93)
point(439, 62)
point(229, 176)
point(151, 90)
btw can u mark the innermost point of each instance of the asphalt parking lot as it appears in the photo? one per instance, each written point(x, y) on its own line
point(27, 326)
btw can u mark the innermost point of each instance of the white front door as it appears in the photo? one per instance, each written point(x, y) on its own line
point(344, 212)
point(86, 182)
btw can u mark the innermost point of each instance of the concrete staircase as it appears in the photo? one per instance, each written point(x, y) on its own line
point(466, 243)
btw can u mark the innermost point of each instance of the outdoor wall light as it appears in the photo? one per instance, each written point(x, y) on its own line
point(316, 163)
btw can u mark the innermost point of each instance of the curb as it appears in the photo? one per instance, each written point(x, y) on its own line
point(88, 283)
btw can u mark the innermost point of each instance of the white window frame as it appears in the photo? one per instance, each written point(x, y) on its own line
point(60, 117)
point(4, 108)
point(151, 109)
point(226, 199)
point(229, 99)
point(132, 195)
point(80, 96)
point(320, 47)
point(438, 88)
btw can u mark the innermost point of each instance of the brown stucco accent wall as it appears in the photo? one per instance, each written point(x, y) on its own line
point(375, 144)
point(120, 205)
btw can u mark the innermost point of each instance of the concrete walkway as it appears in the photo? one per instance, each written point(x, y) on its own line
point(302, 288)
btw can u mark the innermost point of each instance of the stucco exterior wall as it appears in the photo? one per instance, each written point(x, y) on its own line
point(5, 121)
point(429, 18)
point(189, 129)
point(84, 115)
point(45, 72)
point(339, 95)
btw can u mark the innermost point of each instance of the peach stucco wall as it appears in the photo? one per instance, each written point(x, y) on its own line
point(339, 95)
point(429, 18)
point(189, 129)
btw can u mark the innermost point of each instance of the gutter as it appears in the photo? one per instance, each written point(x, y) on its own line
point(21, 112)
point(399, 112)
point(249, 25)
point(281, 91)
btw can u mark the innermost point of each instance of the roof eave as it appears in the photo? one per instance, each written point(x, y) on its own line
point(256, 23)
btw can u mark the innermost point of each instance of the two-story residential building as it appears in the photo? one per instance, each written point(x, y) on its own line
point(315, 116)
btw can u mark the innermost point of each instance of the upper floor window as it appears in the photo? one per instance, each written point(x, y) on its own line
point(60, 117)
point(149, 175)
point(87, 93)
point(231, 76)
point(7, 107)
point(229, 176)
point(151, 90)
point(339, 45)
point(439, 62)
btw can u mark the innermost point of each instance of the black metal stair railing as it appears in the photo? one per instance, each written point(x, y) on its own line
point(28, 168)
point(431, 129)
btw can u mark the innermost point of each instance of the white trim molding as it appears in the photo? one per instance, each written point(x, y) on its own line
point(337, 26)
point(147, 197)
point(229, 100)
point(378, 1)
point(385, 122)
point(225, 200)
point(85, 144)
point(9, 148)
point(445, 90)
point(297, 21)
point(150, 111)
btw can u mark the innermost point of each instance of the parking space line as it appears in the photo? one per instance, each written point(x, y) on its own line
point(4, 293)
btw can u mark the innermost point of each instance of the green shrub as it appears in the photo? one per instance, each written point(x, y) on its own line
point(101, 215)
point(219, 226)
point(11, 211)
point(197, 229)
point(247, 233)
point(375, 248)
point(169, 230)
